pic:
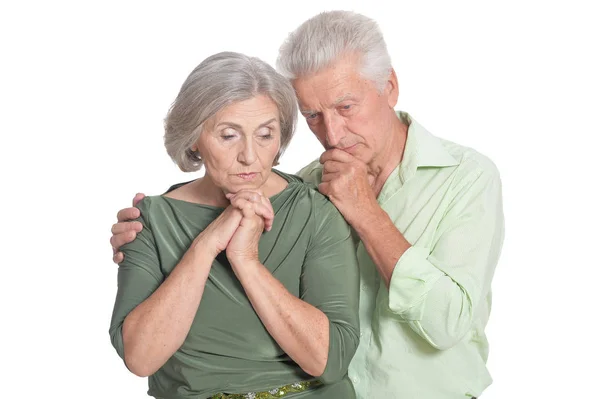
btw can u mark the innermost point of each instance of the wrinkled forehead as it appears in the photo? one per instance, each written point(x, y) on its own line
point(253, 111)
point(330, 88)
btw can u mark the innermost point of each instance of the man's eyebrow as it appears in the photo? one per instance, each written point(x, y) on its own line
point(343, 98)
point(338, 100)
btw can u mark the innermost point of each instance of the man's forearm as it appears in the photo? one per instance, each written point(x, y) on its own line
point(157, 327)
point(382, 240)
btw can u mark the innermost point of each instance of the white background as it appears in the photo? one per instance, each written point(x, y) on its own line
point(83, 91)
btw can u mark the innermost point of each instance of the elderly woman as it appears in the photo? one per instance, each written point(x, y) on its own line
point(209, 304)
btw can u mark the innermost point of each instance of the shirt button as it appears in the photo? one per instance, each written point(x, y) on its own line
point(363, 287)
point(361, 334)
point(354, 380)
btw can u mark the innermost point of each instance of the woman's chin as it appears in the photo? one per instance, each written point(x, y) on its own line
point(234, 188)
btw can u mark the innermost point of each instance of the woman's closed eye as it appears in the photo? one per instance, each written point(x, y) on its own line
point(228, 134)
point(265, 134)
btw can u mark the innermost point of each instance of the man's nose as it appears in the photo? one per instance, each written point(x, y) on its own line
point(333, 129)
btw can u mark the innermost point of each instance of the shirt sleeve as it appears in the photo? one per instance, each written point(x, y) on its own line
point(439, 290)
point(139, 276)
point(312, 173)
point(330, 282)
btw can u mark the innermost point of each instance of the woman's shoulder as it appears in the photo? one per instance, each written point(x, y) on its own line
point(298, 183)
point(149, 204)
point(158, 207)
point(307, 194)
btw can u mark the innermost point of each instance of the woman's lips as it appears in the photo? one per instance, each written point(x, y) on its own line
point(246, 176)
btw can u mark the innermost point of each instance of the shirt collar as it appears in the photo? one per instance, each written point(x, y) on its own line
point(422, 149)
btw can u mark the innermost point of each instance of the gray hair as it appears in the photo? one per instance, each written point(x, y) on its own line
point(220, 80)
point(326, 37)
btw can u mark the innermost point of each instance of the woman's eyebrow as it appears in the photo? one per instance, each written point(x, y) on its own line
point(239, 127)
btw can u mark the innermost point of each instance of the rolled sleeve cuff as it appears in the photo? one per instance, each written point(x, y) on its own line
point(343, 342)
point(116, 337)
point(412, 278)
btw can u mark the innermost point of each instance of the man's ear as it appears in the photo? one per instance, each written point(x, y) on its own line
point(391, 89)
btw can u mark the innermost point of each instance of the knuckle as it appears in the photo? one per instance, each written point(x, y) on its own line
point(118, 257)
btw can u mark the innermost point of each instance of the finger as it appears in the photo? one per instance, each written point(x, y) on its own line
point(328, 177)
point(255, 198)
point(118, 240)
point(138, 197)
point(118, 257)
point(334, 166)
point(251, 209)
point(264, 209)
point(336, 155)
point(239, 202)
point(324, 188)
point(271, 213)
point(248, 210)
point(128, 214)
point(259, 207)
point(252, 196)
point(122, 227)
point(266, 213)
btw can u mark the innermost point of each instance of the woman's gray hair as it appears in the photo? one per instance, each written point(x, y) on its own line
point(327, 37)
point(220, 80)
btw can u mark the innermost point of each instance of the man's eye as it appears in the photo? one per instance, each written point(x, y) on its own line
point(266, 136)
point(228, 137)
point(312, 116)
point(346, 107)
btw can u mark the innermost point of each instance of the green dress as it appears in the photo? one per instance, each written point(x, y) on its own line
point(228, 349)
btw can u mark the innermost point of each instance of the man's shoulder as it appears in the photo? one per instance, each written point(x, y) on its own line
point(471, 163)
point(312, 173)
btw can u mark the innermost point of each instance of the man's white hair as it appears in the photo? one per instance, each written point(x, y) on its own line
point(329, 36)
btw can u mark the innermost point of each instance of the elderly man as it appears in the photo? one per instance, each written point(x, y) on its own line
point(426, 213)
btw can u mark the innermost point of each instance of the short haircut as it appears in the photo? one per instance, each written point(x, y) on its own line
point(220, 80)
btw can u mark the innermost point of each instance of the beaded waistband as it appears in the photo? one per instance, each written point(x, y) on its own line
point(271, 394)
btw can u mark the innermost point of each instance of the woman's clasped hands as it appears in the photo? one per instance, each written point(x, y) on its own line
point(239, 228)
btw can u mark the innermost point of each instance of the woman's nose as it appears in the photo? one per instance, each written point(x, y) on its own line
point(247, 154)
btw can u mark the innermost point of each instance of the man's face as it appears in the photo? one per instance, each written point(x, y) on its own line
point(346, 111)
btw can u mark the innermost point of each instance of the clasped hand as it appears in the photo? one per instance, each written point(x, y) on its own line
point(239, 228)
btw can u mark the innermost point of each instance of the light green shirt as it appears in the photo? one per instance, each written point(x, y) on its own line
point(424, 338)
